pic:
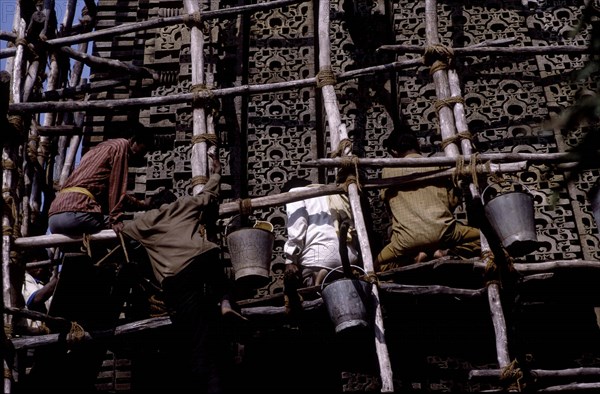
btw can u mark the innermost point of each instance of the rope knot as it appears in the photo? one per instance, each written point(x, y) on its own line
point(325, 77)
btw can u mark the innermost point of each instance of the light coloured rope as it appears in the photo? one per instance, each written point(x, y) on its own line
point(343, 145)
point(194, 19)
point(209, 138)
point(325, 77)
point(447, 102)
point(199, 180)
point(75, 334)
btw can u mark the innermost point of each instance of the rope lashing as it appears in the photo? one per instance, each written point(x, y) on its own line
point(8, 330)
point(21, 41)
point(8, 164)
point(438, 57)
point(10, 209)
point(372, 278)
point(75, 334)
point(8, 374)
point(201, 93)
point(325, 77)
point(472, 169)
point(199, 180)
point(343, 145)
point(210, 138)
point(348, 164)
point(32, 152)
point(43, 328)
point(245, 206)
point(16, 121)
point(193, 19)
point(513, 375)
point(491, 268)
point(447, 102)
point(203, 97)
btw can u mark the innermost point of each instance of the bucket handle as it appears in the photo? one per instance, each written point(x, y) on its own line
point(337, 269)
point(498, 183)
point(260, 224)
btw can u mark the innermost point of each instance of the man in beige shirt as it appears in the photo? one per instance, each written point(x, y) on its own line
point(423, 224)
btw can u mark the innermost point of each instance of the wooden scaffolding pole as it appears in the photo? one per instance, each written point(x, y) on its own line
point(440, 60)
point(199, 152)
point(340, 143)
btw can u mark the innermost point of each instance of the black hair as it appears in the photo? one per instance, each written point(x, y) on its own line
point(295, 182)
point(164, 196)
point(402, 143)
point(141, 135)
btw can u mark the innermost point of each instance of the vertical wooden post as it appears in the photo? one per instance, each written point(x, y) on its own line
point(447, 85)
point(199, 151)
point(338, 133)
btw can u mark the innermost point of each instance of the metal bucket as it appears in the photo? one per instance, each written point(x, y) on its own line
point(512, 217)
point(250, 250)
point(348, 302)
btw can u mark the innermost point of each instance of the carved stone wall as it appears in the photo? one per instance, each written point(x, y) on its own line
point(265, 137)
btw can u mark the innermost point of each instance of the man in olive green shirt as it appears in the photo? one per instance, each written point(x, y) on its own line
point(187, 265)
point(423, 224)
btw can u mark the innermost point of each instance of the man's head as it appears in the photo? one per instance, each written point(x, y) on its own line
point(140, 142)
point(162, 197)
point(295, 182)
point(401, 144)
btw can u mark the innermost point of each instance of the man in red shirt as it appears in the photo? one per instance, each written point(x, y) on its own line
point(95, 195)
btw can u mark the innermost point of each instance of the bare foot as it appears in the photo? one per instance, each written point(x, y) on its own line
point(228, 311)
point(440, 253)
point(422, 256)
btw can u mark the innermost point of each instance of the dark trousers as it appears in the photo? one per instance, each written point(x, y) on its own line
point(83, 295)
point(192, 298)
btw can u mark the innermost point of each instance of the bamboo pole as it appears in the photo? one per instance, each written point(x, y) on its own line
point(448, 126)
point(65, 165)
point(339, 133)
point(199, 155)
point(188, 97)
point(10, 163)
point(125, 329)
point(157, 22)
point(79, 90)
point(91, 60)
point(478, 50)
point(539, 158)
point(494, 374)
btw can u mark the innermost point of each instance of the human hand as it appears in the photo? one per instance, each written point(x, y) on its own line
point(291, 272)
point(215, 162)
point(117, 227)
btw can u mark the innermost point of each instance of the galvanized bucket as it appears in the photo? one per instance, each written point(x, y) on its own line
point(250, 250)
point(512, 217)
point(347, 301)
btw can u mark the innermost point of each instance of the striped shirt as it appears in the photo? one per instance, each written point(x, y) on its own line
point(103, 172)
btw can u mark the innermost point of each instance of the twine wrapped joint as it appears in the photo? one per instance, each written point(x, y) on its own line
point(325, 77)
point(209, 138)
point(438, 57)
point(193, 19)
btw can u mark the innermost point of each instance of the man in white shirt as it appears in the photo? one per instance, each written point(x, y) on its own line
point(312, 246)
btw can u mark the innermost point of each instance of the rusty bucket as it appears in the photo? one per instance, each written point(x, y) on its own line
point(250, 250)
point(511, 215)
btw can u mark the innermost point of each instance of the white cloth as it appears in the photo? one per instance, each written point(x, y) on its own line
point(312, 227)
point(30, 287)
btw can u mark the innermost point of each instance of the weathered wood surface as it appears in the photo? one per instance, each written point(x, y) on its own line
point(158, 22)
point(494, 374)
point(125, 329)
point(538, 158)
